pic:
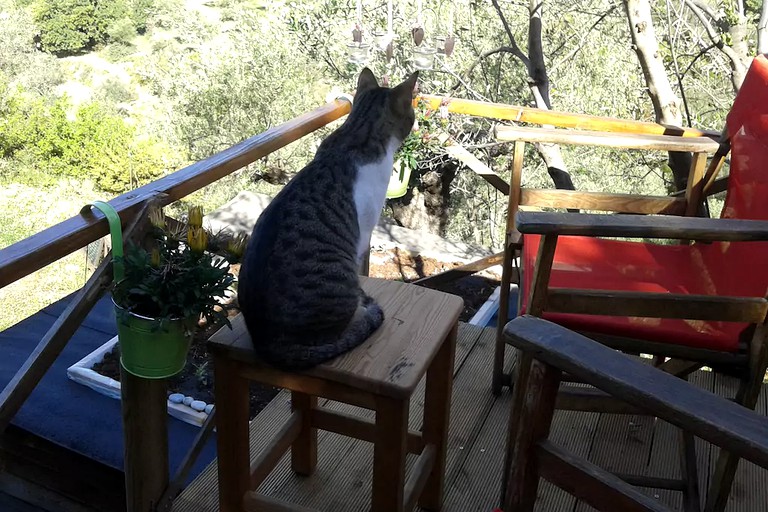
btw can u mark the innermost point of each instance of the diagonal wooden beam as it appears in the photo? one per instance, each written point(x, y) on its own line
point(50, 346)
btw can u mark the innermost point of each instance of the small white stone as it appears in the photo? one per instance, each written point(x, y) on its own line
point(208, 408)
point(198, 405)
point(176, 398)
point(188, 400)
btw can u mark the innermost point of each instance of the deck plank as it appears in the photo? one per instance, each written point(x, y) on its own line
point(624, 443)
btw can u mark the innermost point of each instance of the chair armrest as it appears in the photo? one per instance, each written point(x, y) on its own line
point(713, 418)
point(641, 226)
point(607, 139)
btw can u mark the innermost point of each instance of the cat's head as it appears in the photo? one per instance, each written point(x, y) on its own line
point(392, 107)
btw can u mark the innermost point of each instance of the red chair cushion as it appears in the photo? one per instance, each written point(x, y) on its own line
point(725, 269)
point(600, 264)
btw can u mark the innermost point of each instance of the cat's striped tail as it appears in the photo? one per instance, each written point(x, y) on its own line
point(292, 354)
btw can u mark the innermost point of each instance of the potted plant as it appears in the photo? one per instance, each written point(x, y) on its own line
point(164, 288)
point(422, 141)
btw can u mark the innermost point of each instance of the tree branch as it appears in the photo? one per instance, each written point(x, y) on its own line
point(704, 6)
point(501, 49)
point(538, 68)
point(762, 29)
point(737, 65)
point(512, 41)
point(578, 48)
point(675, 64)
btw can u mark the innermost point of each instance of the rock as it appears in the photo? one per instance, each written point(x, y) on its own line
point(198, 405)
point(176, 398)
point(208, 408)
point(188, 400)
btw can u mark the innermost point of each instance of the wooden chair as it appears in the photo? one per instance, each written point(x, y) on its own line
point(417, 338)
point(703, 302)
point(547, 352)
point(700, 185)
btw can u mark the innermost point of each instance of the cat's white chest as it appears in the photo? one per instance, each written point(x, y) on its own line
point(370, 193)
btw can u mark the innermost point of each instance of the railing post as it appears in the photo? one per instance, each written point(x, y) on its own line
point(145, 437)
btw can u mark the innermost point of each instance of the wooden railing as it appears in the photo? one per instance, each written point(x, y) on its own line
point(146, 464)
point(146, 474)
point(47, 246)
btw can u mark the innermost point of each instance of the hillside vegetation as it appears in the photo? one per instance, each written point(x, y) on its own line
point(98, 97)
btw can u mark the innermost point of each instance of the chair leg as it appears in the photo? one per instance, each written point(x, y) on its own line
point(389, 453)
point(437, 407)
point(535, 393)
point(690, 472)
point(232, 442)
point(501, 320)
point(304, 448)
point(747, 395)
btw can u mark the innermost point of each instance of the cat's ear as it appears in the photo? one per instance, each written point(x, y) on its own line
point(366, 81)
point(402, 94)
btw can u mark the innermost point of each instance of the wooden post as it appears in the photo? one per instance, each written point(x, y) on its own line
point(145, 437)
point(232, 440)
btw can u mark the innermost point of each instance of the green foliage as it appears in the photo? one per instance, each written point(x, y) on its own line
point(20, 61)
point(70, 26)
point(422, 145)
point(174, 277)
point(96, 144)
point(122, 31)
point(65, 25)
point(258, 82)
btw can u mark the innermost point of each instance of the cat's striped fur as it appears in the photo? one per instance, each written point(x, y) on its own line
point(298, 288)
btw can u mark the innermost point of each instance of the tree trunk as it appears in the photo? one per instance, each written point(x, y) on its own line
point(539, 84)
point(741, 59)
point(425, 206)
point(762, 29)
point(666, 104)
point(738, 52)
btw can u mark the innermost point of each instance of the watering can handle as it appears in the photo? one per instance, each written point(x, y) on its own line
point(116, 233)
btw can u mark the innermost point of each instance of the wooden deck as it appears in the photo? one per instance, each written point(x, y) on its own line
point(627, 444)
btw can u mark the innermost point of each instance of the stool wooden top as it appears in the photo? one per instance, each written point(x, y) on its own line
point(394, 359)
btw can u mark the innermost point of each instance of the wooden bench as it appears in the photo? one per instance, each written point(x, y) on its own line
point(549, 350)
point(418, 337)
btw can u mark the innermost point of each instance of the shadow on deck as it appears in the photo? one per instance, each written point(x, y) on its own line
point(621, 443)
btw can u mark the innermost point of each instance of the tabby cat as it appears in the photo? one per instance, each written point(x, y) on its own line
point(298, 288)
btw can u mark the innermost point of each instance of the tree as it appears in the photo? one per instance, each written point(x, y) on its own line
point(666, 104)
point(762, 29)
point(538, 83)
point(717, 24)
point(70, 26)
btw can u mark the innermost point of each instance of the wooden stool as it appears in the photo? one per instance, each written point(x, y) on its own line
point(418, 336)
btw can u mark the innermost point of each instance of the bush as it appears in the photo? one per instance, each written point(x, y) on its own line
point(70, 26)
point(65, 25)
point(96, 144)
point(122, 31)
point(221, 97)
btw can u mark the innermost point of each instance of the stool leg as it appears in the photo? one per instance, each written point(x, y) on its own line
point(232, 443)
point(304, 448)
point(389, 452)
point(437, 406)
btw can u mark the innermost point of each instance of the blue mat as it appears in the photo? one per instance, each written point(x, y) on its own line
point(70, 414)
